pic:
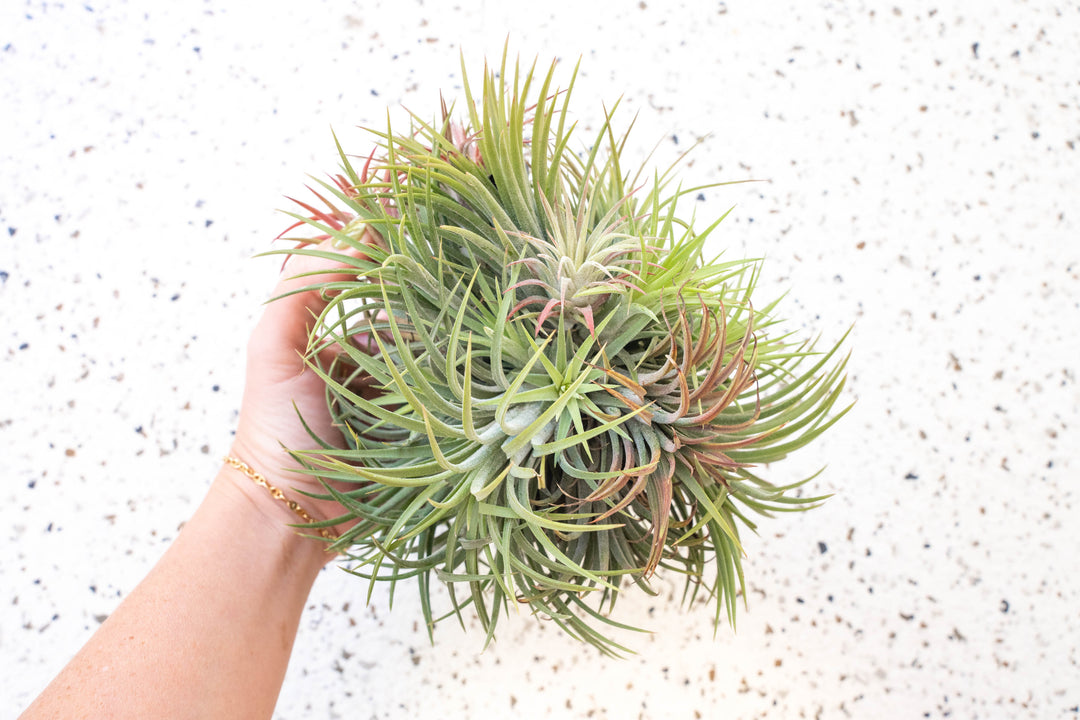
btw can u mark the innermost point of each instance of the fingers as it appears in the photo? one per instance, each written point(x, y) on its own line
point(301, 271)
point(287, 320)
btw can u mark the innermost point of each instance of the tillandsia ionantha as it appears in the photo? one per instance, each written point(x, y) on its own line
point(568, 396)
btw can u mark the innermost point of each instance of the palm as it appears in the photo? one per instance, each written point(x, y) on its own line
point(281, 389)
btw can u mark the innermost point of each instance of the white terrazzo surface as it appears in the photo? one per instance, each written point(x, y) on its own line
point(921, 179)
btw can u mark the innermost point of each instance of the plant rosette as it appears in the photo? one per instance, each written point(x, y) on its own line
point(569, 394)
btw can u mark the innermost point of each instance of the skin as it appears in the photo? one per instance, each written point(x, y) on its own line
point(209, 631)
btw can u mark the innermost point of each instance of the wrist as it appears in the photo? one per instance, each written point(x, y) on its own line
point(276, 510)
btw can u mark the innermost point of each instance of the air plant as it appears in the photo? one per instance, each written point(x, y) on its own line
point(570, 396)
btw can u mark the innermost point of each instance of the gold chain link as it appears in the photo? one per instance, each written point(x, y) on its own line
point(260, 480)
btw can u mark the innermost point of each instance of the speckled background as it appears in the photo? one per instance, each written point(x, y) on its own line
point(919, 177)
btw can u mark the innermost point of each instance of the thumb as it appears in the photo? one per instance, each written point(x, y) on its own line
point(300, 295)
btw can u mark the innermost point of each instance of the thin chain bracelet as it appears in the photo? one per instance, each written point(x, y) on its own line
point(260, 480)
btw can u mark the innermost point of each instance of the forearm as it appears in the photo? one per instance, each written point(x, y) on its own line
point(208, 633)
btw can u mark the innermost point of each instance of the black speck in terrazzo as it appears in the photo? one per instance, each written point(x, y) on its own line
point(215, 388)
point(675, 139)
point(911, 476)
point(32, 484)
point(822, 547)
point(209, 223)
point(374, 92)
point(24, 346)
point(1004, 606)
point(975, 50)
point(700, 197)
point(12, 231)
point(175, 297)
point(4, 275)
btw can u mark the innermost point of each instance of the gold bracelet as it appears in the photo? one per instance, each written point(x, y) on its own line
point(258, 479)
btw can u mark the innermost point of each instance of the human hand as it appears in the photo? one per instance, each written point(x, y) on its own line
point(280, 389)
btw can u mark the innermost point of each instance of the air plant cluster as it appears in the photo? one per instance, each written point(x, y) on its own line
point(570, 394)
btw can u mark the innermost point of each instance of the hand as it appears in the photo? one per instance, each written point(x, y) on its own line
point(280, 389)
